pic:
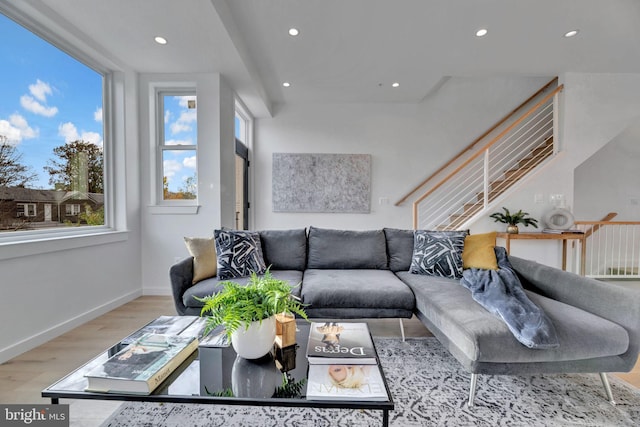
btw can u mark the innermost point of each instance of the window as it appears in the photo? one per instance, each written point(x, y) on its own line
point(72, 210)
point(177, 143)
point(26, 209)
point(242, 126)
point(51, 133)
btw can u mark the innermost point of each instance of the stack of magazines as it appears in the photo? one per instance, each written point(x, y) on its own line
point(343, 363)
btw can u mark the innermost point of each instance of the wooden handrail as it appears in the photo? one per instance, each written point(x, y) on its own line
point(597, 224)
point(480, 138)
point(489, 144)
point(608, 222)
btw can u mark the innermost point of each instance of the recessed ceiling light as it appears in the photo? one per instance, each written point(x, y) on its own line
point(481, 32)
point(286, 84)
point(571, 33)
point(160, 40)
point(293, 31)
point(396, 84)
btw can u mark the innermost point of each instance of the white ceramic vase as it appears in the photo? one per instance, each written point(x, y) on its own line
point(255, 341)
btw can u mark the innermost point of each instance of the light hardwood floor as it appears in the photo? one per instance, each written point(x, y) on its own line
point(24, 377)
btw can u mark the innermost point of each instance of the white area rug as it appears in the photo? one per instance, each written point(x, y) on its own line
point(429, 389)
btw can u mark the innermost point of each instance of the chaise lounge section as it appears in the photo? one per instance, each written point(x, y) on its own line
point(347, 274)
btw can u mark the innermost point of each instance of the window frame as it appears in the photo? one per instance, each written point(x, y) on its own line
point(25, 210)
point(157, 90)
point(25, 243)
point(72, 209)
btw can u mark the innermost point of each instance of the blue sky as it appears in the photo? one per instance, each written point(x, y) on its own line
point(48, 98)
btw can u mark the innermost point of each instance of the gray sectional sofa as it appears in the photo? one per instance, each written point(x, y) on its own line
point(365, 274)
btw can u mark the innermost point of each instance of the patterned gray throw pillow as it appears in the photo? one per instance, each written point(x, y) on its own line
point(438, 253)
point(239, 253)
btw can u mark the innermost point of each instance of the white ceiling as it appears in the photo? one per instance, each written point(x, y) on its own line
point(352, 50)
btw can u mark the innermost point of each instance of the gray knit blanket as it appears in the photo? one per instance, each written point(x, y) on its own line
point(501, 293)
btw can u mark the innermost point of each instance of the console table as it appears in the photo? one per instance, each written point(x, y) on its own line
point(564, 237)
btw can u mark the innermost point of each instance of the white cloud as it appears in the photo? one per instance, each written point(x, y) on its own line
point(70, 133)
point(31, 105)
point(167, 116)
point(171, 167)
point(183, 124)
point(92, 137)
point(183, 101)
point(189, 162)
point(40, 90)
point(16, 129)
point(97, 115)
point(36, 102)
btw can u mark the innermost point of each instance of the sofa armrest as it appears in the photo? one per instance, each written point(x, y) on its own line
point(615, 303)
point(181, 275)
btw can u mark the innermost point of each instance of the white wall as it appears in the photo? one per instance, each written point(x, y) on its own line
point(50, 287)
point(407, 143)
point(608, 180)
point(163, 231)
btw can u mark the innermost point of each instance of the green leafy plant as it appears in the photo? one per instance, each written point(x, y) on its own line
point(289, 387)
point(239, 305)
point(519, 217)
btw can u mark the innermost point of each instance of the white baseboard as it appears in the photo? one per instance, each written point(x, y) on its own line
point(40, 338)
point(156, 290)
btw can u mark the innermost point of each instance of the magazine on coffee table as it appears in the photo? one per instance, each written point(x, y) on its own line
point(345, 382)
point(340, 343)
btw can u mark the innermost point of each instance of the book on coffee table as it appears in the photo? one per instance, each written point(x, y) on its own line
point(345, 382)
point(340, 343)
point(141, 366)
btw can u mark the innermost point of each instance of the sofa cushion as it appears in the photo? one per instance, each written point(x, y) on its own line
point(399, 248)
point(239, 253)
point(352, 289)
point(213, 285)
point(203, 251)
point(438, 253)
point(284, 249)
point(479, 251)
point(482, 336)
point(346, 249)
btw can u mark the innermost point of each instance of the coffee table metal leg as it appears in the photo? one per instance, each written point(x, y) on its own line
point(385, 418)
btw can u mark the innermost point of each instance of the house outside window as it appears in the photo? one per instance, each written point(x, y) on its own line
point(26, 209)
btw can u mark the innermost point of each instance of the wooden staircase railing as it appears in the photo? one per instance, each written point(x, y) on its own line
point(480, 173)
point(476, 141)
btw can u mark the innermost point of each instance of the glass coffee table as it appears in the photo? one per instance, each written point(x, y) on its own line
point(215, 375)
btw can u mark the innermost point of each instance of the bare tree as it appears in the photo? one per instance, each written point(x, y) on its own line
point(12, 172)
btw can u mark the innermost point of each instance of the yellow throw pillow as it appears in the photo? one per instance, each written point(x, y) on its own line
point(478, 251)
point(203, 251)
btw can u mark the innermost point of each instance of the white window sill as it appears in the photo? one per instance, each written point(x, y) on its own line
point(173, 209)
point(46, 243)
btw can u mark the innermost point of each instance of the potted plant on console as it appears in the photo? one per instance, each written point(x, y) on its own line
point(247, 312)
point(512, 220)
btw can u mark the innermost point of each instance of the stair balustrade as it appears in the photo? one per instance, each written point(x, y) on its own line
point(484, 171)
